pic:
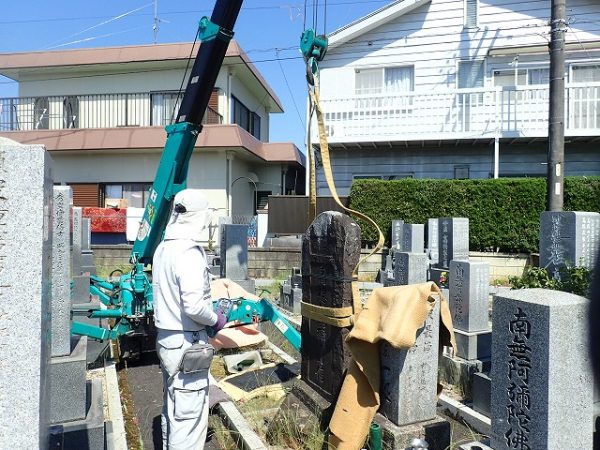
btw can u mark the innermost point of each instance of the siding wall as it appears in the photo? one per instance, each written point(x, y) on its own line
point(431, 161)
point(432, 39)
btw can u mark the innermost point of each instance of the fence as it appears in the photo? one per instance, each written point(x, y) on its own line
point(288, 214)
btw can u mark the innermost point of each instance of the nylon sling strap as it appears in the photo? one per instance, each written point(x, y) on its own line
point(338, 317)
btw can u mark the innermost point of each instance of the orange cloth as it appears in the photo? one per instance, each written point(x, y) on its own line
point(393, 314)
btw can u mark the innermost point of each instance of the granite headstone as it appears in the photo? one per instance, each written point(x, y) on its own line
point(542, 384)
point(409, 268)
point(569, 237)
point(25, 294)
point(330, 251)
point(234, 252)
point(433, 240)
point(469, 288)
point(397, 234)
point(453, 240)
point(413, 238)
point(409, 376)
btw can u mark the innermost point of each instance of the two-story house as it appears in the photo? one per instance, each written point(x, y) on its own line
point(101, 113)
point(457, 89)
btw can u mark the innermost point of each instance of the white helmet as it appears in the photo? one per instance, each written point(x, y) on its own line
point(190, 215)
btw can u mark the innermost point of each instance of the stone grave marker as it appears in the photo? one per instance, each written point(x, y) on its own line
point(25, 293)
point(397, 234)
point(409, 268)
point(409, 376)
point(542, 385)
point(330, 251)
point(413, 238)
point(433, 240)
point(453, 240)
point(569, 237)
point(469, 287)
point(61, 273)
point(234, 252)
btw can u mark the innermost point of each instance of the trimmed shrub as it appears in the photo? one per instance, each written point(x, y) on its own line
point(504, 214)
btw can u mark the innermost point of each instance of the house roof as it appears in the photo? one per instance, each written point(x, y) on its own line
point(373, 20)
point(227, 137)
point(14, 65)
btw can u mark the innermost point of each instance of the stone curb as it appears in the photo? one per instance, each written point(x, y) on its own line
point(475, 420)
point(246, 438)
point(115, 411)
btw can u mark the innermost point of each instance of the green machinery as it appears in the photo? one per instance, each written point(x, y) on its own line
point(127, 302)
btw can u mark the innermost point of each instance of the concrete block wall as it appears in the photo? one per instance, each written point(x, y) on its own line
point(276, 263)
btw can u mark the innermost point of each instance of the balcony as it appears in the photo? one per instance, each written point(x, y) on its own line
point(482, 113)
point(93, 111)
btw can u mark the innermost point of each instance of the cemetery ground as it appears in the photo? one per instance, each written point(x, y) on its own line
point(140, 384)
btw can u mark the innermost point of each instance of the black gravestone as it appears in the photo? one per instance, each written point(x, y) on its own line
point(330, 251)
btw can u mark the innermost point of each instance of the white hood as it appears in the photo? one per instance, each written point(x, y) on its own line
point(193, 217)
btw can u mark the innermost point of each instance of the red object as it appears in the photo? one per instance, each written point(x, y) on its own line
point(107, 220)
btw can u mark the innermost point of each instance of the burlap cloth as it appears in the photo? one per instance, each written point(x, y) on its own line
point(393, 314)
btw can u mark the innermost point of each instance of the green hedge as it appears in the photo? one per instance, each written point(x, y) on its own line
point(503, 214)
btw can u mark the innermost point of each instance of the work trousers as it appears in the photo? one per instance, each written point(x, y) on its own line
point(184, 418)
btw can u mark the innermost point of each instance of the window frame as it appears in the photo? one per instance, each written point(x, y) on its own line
point(466, 16)
point(253, 125)
point(383, 69)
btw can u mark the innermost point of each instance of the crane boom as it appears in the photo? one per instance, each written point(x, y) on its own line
point(171, 175)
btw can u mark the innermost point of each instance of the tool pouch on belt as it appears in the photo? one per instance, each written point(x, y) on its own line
point(197, 358)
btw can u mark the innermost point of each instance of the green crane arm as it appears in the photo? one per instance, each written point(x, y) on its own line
point(171, 175)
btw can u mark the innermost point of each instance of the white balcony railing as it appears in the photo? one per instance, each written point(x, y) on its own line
point(92, 111)
point(459, 114)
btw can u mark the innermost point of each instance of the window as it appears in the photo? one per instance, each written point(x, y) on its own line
point(470, 73)
point(471, 12)
point(248, 120)
point(584, 103)
point(521, 77)
point(261, 200)
point(461, 172)
point(384, 80)
point(71, 112)
point(136, 194)
point(41, 113)
point(367, 177)
point(585, 74)
point(164, 106)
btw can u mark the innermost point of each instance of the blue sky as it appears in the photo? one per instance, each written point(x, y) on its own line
point(268, 30)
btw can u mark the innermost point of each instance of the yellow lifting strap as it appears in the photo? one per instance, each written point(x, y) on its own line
point(339, 317)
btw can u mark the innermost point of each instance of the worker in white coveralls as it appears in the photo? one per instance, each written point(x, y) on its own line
point(182, 311)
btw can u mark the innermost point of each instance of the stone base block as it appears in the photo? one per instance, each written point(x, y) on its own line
point(473, 345)
point(459, 372)
point(67, 383)
point(482, 393)
point(80, 292)
point(296, 300)
point(87, 258)
point(91, 270)
point(89, 433)
point(436, 432)
point(313, 401)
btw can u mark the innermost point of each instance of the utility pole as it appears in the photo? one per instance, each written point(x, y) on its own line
point(556, 119)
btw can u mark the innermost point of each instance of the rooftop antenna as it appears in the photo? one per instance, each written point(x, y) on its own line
point(156, 20)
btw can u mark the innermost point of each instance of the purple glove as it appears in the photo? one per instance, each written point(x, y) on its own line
point(221, 321)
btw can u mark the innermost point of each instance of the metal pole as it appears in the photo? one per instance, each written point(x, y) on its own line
point(556, 120)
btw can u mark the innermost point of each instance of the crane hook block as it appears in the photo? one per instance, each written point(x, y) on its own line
point(313, 45)
point(207, 31)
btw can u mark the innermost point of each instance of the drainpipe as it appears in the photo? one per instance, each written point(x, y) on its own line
point(229, 111)
point(228, 177)
point(496, 157)
point(283, 179)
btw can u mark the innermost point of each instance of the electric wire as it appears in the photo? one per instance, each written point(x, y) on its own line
point(119, 16)
point(187, 66)
point(292, 95)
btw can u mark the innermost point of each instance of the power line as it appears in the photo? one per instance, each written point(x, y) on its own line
point(291, 95)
